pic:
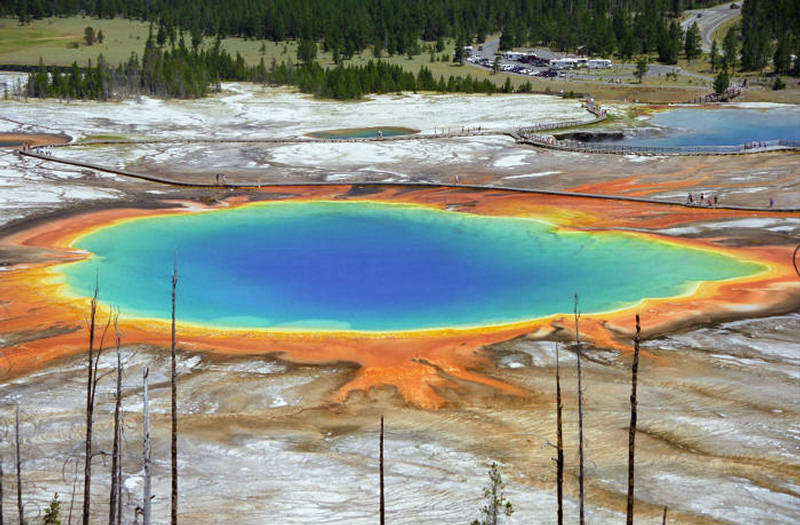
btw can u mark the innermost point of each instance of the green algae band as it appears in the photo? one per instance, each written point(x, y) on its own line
point(318, 265)
point(362, 133)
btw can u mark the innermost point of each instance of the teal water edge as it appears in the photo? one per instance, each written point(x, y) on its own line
point(718, 127)
point(367, 266)
point(362, 133)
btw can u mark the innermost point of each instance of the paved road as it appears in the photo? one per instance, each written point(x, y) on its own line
point(709, 20)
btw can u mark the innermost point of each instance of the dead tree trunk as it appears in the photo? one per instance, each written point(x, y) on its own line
point(20, 510)
point(581, 495)
point(119, 475)
point(664, 516)
point(146, 423)
point(559, 447)
point(174, 506)
point(1, 490)
point(113, 510)
point(74, 488)
point(87, 466)
point(382, 503)
point(632, 429)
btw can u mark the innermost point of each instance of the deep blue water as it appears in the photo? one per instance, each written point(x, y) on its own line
point(718, 127)
point(371, 266)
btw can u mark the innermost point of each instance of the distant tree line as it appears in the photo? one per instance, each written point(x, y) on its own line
point(179, 71)
point(346, 27)
point(183, 73)
point(352, 82)
point(170, 73)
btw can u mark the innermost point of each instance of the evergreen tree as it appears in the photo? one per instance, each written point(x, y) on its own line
point(88, 35)
point(197, 38)
point(669, 43)
point(782, 57)
point(757, 32)
point(458, 52)
point(307, 51)
point(52, 516)
point(721, 82)
point(496, 502)
point(730, 49)
point(627, 44)
point(23, 12)
point(641, 69)
point(713, 56)
point(796, 63)
point(507, 39)
point(692, 45)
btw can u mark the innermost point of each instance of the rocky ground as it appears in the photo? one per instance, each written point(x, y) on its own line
point(261, 440)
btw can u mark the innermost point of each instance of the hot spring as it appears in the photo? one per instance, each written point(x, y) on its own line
point(717, 127)
point(363, 133)
point(370, 266)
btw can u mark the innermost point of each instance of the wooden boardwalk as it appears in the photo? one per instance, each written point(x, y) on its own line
point(245, 186)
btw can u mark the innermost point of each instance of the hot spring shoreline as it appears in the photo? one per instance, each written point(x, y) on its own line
point(416, 362)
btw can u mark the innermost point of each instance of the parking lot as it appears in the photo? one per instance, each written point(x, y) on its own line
point(536, 64)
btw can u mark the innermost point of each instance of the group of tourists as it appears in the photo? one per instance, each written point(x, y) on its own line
point(221, 179)
point(38, 150)
point(756, 144)
point(464, 130)
point(702, 200)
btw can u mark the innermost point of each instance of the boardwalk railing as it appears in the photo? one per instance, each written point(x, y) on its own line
point(630, 149)
point(399, 184)
point(599, 116)
point(530, 135)
point(729, 94)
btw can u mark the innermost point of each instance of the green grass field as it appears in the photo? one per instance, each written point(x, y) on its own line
point(53, 39)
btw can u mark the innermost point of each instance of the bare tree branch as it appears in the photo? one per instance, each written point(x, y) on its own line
point(581, 494)
point(146, 416)
point(113, 501)
point(174, 448)
point(560, 447)
point(632, 429)
point(382, 500)
point(20, 508)
point(90, 386)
